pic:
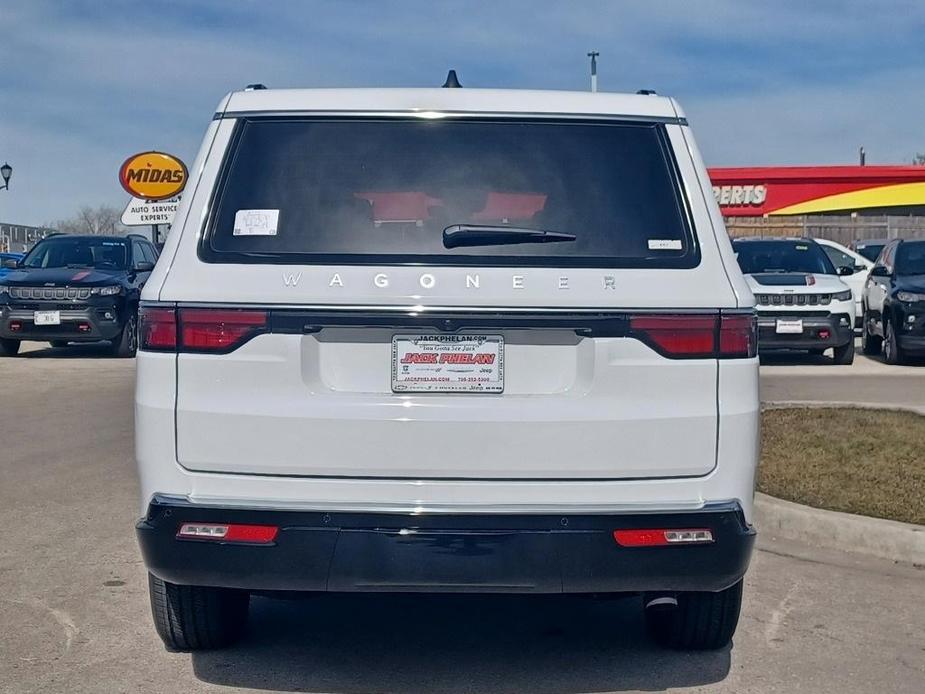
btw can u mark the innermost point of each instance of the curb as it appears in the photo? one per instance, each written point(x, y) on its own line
point(889, 407)
point(886, 539)
point(847, 532)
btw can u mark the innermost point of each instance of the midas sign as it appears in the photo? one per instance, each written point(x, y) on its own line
point(153, 175)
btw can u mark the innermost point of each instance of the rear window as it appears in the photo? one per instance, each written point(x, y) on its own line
point(757, 257)
point(382, 191)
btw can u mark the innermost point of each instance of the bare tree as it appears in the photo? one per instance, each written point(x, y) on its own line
point(919, 159)
point(100, 221)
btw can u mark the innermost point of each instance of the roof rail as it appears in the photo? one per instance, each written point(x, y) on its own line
point(255, 87)
point(647, 92)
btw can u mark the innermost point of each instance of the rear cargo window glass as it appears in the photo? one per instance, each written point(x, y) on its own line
point(356, 191)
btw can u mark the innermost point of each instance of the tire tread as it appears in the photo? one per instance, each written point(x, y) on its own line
point(191, 618)
point(701, 621)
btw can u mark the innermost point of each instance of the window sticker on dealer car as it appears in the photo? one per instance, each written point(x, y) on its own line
point(256, 222)
point(448, 363)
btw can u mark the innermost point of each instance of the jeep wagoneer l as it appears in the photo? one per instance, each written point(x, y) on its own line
point(447, 340)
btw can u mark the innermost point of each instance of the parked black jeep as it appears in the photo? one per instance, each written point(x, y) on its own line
point(72, 288)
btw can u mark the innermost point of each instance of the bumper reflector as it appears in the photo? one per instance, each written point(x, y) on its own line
point(662, 537)
point(253, 534)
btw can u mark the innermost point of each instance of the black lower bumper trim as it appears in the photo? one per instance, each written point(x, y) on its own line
point(816, 332)
point(85, 324)
point(914, 344)
point(316, 551)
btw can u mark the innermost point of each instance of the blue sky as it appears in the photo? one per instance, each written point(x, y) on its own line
point(86, 83)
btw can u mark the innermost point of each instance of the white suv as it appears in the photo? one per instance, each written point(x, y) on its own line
point(802, 302)
point(447, 340)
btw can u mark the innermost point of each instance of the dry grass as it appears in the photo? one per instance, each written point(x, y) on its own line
point(858, 461)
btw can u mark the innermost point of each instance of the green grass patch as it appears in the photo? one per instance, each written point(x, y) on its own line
point(868, 462)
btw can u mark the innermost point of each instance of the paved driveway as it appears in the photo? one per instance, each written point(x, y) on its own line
point(74, 614)
point(802, 377)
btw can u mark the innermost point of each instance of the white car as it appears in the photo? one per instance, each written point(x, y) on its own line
point(802, 302)
point(853, 268)
point(447, 340)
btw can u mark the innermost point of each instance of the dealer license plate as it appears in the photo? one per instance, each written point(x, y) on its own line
point(448, 363)
point(789, 327)
point(47, 318)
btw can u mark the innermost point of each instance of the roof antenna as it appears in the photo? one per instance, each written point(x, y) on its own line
point(451, 81)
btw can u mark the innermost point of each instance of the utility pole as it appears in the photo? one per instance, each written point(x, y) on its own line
point(593, 55)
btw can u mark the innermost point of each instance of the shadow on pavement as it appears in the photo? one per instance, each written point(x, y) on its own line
point(93, 350)
point(796, 358)
point(409, 643)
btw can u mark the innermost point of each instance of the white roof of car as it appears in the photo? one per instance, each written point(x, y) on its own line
point(462, 100)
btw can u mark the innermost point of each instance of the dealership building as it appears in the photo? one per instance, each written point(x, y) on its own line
point(769, 191)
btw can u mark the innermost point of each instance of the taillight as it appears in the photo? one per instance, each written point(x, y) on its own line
point(157, 329)
point(677, 335)
point(218, 330)
point(231, 532)
point(662, 537)
point(697, 336)
point(738, 336)
point(198, 329)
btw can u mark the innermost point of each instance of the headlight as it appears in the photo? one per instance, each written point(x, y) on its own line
point(4, 289)
point(842, 296)
point(106, 291)
point(905, 297)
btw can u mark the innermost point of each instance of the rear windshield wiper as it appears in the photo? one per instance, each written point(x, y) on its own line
point(458, 235)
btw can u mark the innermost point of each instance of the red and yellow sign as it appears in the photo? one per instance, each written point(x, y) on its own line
point(153, 175)
point(785, 190)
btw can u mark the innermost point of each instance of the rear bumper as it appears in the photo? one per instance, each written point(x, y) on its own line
point(77, 324)
point(819, 332)
point(317, 551)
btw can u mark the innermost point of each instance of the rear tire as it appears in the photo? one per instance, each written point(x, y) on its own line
point(870, 344)
point(892, 352)
point(58, 344)
point(126, 344)
point(700, 621)
point(844, 355)
point(8, 347)
point(193, 618)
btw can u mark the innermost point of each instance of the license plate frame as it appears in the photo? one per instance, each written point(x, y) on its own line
point(447, 363)
point(789, 326)
point(46, 317)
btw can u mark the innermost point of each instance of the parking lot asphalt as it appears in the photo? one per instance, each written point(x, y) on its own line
point(74, 614)
point(798, 376)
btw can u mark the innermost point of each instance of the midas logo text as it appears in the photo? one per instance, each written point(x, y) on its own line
point(153, 175)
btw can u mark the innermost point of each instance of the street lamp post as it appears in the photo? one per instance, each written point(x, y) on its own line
point(6, 171)
point(593, 55)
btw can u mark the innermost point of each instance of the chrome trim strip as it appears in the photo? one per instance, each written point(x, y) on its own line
point(404, 508)
point(352, 308)
point(425, 114)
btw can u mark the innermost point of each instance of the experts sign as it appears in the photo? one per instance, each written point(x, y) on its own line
point(153, 175)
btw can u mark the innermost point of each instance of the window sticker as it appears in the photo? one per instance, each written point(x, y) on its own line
point(255, 222)
point(664, 244)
